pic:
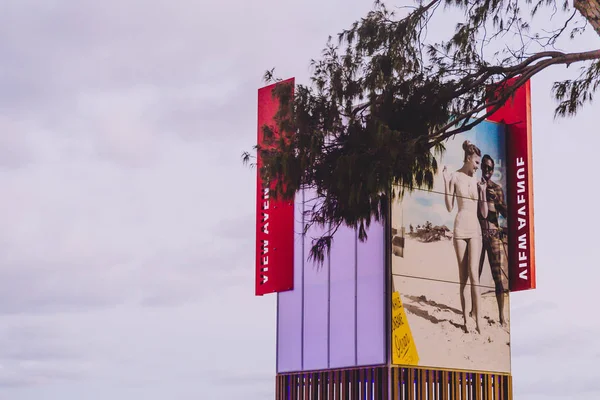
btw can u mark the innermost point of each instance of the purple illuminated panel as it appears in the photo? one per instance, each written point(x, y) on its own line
point(315, 301)
point(371, 298)
point(335, 315)
point(342, 312)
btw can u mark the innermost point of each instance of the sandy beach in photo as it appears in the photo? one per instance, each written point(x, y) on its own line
point(437, 260)
point(430, 295)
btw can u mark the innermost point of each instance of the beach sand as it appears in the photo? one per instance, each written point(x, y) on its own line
point(437, 260)
point(427, 280)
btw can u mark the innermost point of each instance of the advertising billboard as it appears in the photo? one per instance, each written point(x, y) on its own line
point(450, 260)
point(434, 293)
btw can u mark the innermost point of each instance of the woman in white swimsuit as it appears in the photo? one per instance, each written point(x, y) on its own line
point(470, 194)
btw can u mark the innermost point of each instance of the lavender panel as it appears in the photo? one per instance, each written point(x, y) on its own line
point(371, 298)
point(342, 346)
point(315, 303)
point(289, 307)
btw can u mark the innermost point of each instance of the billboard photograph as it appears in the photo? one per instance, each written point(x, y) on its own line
point(450, 260)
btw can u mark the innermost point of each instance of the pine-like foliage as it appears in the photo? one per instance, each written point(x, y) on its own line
point(383, 99)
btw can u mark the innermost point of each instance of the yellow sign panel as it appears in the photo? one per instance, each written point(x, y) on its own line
point(404, 350)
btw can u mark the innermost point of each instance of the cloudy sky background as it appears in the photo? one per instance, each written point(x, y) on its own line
point(126, 248)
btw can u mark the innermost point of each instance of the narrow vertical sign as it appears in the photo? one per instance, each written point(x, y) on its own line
point(516, 113)
point(274, 218)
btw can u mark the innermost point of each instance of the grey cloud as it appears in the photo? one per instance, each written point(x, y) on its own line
point(562, 385)
point(223, 115)
point(535, 308)
point(237, 231)
point(16, 380)
point(167, 280)
point(240, 377)
point(112, 76)
point(36, 351)
point(126, 254)
point(51, 291)
point(27, 374)
point(32, 342)
point(16, 147)
point(109, 237)
point(71, 48)
point(33, 354)
point(557, 340)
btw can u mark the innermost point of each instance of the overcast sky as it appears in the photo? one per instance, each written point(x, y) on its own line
point(126, 247)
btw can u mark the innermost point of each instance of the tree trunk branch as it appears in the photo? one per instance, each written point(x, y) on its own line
point(590, 9)
point(525, 71)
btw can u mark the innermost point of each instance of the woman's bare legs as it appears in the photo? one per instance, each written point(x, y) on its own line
point(481, 262)
point(474, 255)
point(461, 248)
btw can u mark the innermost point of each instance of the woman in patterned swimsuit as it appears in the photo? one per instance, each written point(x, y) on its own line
point(490, 228)
point(470, 194)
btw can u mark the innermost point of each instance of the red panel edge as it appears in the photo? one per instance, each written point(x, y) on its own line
point(516, 114)
point(274, 219)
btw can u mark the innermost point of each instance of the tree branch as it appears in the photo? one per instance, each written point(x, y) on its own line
point(556, 58)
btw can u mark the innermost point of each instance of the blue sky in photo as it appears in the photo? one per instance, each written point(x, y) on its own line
point(421, 205)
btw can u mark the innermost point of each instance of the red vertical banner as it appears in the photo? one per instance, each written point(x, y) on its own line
point(516, 114)
point(274, 218)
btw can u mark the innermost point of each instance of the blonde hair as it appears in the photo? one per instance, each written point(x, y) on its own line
point(470, 149)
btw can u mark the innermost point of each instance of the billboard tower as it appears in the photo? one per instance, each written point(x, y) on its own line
point(421, 310)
